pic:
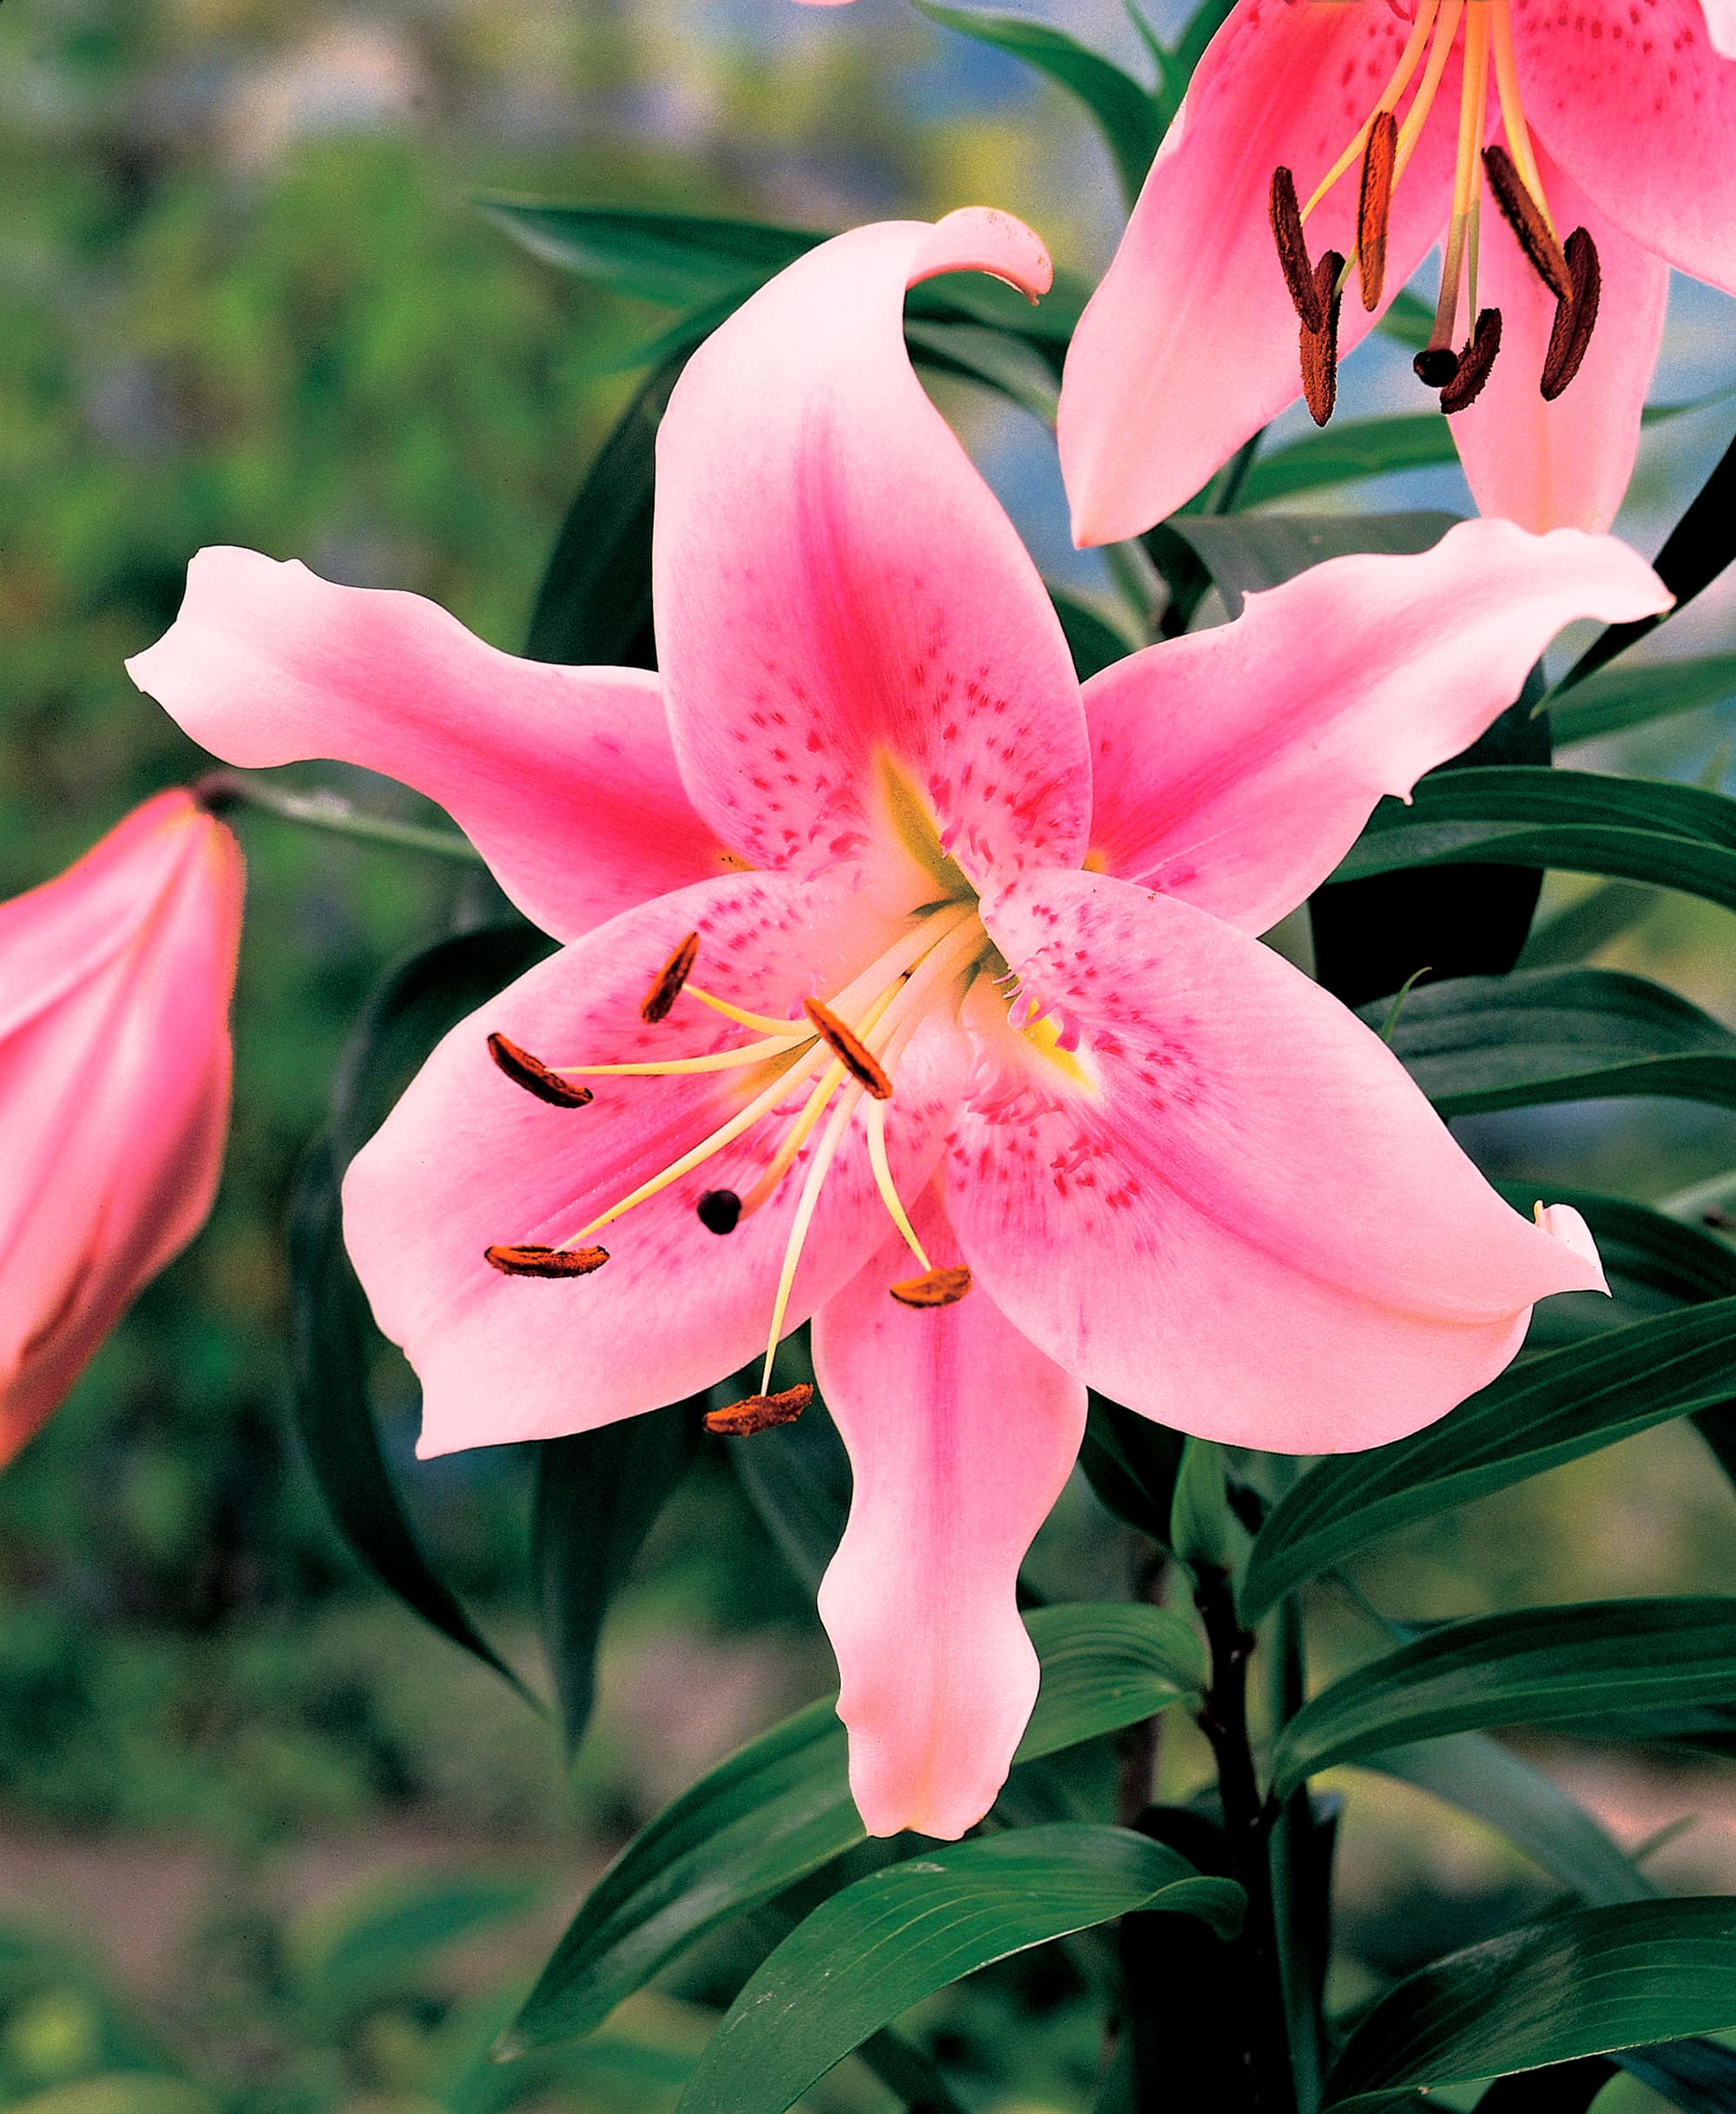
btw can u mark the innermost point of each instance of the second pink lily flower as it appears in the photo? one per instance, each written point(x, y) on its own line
point(909, 987)
point(1610, 127)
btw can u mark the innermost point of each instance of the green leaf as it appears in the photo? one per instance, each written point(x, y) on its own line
point(1093, 640)
point(867, 1954)
point(1409, 319)
point(594, 606)
point(797, 1479)
point(1482, 1778)
point(1127, 115)
point(1698, 2075)
point(1631, 694)
point(1244, 553)
point(1534, 1666)
point(1584, 1983)
point(347, 1954)
point(1131, 1464)
point(1669, 836)
point(331, 1336)
point(331, 1342)
point(1550, 1035)
point(1695, 551)
point(978, 352)
point(676, 259)
point(780, 1808)
point(1339, 454)
point(1575, 933)
point(598, 1495)
point(1542, 1412)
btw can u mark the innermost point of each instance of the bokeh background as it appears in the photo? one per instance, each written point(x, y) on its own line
point(248, 296)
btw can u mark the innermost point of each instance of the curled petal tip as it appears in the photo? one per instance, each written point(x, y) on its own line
point(1562, 1223)
point(984, 239)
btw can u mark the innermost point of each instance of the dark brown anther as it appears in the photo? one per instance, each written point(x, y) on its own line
point(1293, 251)
point(943, 1287)
point(1525, 217)
point(857, 1058)
point(1475, 362)
point(1575, 318)
point(533, 1261)
point(1436, 365)
point(1373, 205)
point(759, 1413)
point(719, 1210)
point(665, 986)
point(1320, 348)
point(535, 1077)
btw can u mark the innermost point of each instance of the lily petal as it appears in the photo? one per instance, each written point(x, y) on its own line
point(468, 1160)
point(1639, 107)
point(1565, 464)
point(1720, 25)
point(1236, 765)
point(961, 1435)
point(837, 588)
point(114, 1083)
point(1189, 345)
point(1229, 1207)
point(563, 778)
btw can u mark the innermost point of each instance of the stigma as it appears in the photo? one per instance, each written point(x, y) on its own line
point(1456, 365)
point(809, 1079)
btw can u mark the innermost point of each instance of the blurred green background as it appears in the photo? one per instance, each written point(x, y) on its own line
point(248, 298)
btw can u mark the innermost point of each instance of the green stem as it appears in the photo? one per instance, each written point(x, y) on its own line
point(1223, 1719)
point(330, 812)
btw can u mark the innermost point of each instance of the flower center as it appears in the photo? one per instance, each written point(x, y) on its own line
point(844, 1049)
point(1383, 147)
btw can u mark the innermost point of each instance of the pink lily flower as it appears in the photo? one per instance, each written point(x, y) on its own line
point(914, 990)
point(114, 1087)
point(1604, 135)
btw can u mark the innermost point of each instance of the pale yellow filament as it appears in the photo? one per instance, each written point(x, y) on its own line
point(1513, 109)
point(806, 1205)
point(1415, 46)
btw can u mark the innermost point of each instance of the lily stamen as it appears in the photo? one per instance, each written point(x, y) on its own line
point(527, 1260)
point(1374, 205)
point(537, 1077)
point(1320, 348)
point(943, 1287)
point(1576, 317)
point(665, 986)
point(759, 1413)
point(1524, 212)
point(1474, 363)
point(850, 1052)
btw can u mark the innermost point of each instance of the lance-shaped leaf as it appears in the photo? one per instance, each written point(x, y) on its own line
point(866, 1955)
point(1550, 1409)
point(598, 1495)
point(1695, 551)
point(1244, 553)
point(1127, 115)
point(1547, 1035)
point(1534, 1666)
point(1633, 694)
point(1584, 1983)
point(331, 1335)
point(1669, 836)
point(1342, 453)
point(1486, 1780)
point(780, 1808)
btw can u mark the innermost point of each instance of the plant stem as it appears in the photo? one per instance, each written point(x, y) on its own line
point(330, 812)
point(1223, 1719)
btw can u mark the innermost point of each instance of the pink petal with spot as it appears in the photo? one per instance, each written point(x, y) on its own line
point(961, 1434)
point(838, 589)
point(563, 778)
point(1635, 101)
point(1237, 766)
point(1231, 1209)
point(468, 1160)
point(1189, 345)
